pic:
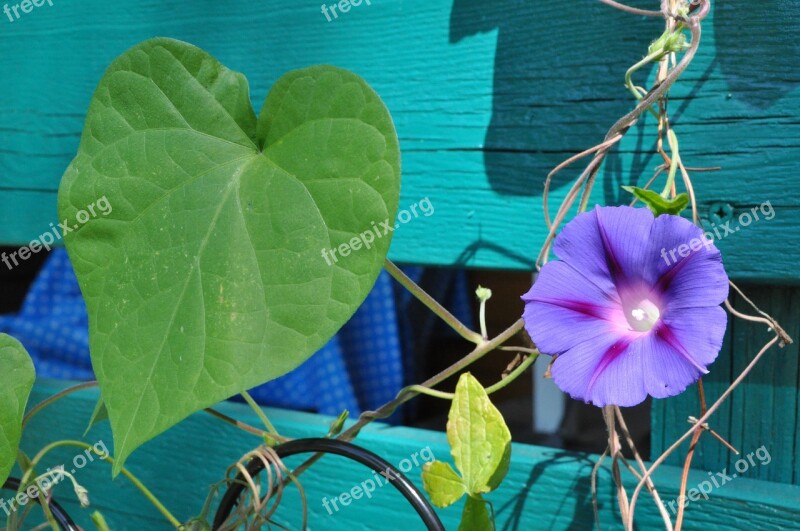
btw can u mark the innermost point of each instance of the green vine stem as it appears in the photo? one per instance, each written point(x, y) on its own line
point(636, 91)
point(432, 304)
point(84, 446)
point(261, 415)
point(405, 395)
point(622, 125)
point(513, 375)
point(674, 164)
point(241, 425)
point(55, 398)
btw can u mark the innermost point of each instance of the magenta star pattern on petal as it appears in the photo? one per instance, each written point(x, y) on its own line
point(631, 308)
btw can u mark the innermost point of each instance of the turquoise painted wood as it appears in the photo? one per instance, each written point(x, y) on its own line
point(487, 97)
point(545, 488)
point(763, 412)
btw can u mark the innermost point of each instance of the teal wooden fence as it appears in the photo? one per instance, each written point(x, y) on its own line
point(545, 488)
point(487, 97)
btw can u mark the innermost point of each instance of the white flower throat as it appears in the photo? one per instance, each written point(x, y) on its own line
point(644, 316)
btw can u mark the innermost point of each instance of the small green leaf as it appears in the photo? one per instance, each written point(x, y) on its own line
point(16, 381)
point(475, 516)
point(338, 425)
point(657, 204)
point(99, 414)
point(442, 483)
point(479, 438)
point(228, 248)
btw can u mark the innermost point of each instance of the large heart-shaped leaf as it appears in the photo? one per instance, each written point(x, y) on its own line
point(16, 381)
point(208, 276)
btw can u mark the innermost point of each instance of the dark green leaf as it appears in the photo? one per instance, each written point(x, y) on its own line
point(657, 204)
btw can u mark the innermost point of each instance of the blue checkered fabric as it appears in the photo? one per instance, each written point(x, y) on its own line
point(360, 368)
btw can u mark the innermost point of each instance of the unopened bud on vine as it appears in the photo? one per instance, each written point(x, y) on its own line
point(484, 294)
point(338, 424)
point(668, 43)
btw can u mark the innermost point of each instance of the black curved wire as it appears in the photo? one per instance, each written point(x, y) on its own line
point(344, 449)
point(62, 518)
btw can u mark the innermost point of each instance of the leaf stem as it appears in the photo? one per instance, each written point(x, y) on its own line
point(432, 304)
point(629, 81)
point(55, 398)
point(513, 375)
point(132, 478)
point(260, 413)
point(675, 163)
point(404, 395)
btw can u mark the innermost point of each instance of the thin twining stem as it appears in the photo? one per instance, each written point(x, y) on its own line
point(615, 452)
point(244, 426)
point(108, 459)
point(622, 125)
point(55, 398)
point(623, 428)
point(259, 412)
point(699, 426)
point(479, 352)
point(632, 10)
point(513, 375)
point(593, 166)
point(390, 407)
point(608, 143)
point(595, 470)
point(687, 182)
point(687, 464)
point(432, 304)
point(785, 338)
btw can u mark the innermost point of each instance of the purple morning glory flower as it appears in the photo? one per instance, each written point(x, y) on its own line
point(631, 309)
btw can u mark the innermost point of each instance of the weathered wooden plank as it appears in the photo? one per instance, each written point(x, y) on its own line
point(545, 489)
point(486, 97)
point(763, 411)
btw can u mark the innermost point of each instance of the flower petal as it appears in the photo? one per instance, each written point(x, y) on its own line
point(606, 244)
point(563, 308)
point(700, 331)
point(695, 280)
point(602, 372)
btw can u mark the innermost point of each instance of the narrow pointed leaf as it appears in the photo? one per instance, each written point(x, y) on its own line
point(657, 204)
